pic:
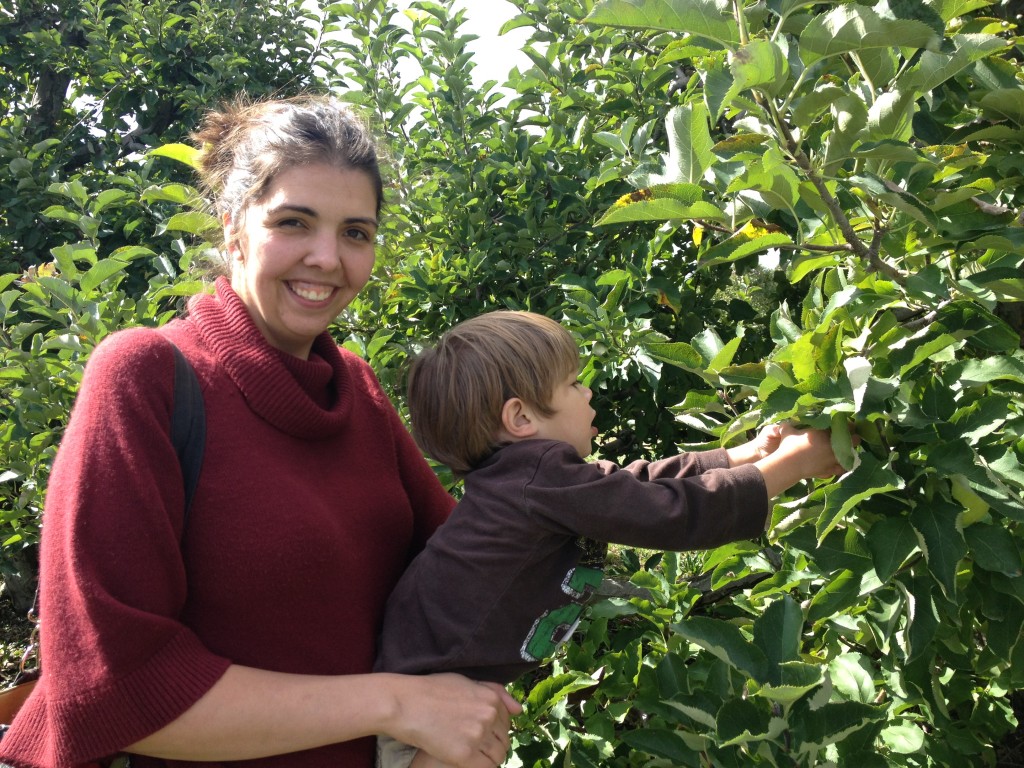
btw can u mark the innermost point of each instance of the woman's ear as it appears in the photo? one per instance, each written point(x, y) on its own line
point(231, 244)
point(517, 422)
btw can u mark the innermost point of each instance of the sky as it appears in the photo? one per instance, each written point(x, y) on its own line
point(494, 55)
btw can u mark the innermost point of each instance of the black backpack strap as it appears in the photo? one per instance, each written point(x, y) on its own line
point(188, 426)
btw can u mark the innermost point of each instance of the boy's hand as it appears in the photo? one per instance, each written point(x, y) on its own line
point(801, 454)
point(812, 448)
point(766, 443)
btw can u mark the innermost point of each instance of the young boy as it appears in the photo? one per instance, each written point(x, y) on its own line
point(503, 582)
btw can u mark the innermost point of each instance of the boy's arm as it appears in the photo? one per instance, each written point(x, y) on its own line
point(766, 442)
point(801, 454)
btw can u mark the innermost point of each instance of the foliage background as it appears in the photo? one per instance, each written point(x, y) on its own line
point(745, 212)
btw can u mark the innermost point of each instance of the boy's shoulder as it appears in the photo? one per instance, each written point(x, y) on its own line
point(528, 451)
point(530, 460)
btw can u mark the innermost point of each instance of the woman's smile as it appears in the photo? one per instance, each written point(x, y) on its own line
point(303, 251)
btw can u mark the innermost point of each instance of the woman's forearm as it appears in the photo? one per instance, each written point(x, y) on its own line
point(251, 713)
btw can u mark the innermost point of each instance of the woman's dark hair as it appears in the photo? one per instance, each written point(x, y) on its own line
point(245, 145)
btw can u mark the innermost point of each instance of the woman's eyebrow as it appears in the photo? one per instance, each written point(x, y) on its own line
point(287, 207)
point(307, 211)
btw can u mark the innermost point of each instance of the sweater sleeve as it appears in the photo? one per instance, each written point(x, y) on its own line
point(431, 503)
point(691, 501)
point(117, 663)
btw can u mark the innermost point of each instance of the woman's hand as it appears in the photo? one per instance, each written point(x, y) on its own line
point(252, 713)
point(456, 722)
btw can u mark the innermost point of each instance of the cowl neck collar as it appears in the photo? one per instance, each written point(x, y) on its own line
point(308, 399)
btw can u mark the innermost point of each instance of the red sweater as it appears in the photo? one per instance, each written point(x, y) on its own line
point(311, 502)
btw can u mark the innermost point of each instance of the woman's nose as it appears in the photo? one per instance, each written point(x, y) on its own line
point(324, 253)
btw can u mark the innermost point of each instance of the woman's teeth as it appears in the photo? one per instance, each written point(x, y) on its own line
point(312, 293)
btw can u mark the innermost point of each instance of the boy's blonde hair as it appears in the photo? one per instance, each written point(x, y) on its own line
point(456, 390)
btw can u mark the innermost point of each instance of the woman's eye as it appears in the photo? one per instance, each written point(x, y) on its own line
point(357, 234)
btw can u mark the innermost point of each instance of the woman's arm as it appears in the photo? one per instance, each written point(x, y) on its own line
point(252, 713)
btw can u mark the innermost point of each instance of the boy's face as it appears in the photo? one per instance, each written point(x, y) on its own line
point(572, 417)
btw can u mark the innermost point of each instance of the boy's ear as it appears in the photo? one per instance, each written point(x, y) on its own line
point(517, 419)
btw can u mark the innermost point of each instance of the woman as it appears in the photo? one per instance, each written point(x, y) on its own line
point(249, 636)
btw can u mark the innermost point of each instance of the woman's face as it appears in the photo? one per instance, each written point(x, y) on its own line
point(301, 253)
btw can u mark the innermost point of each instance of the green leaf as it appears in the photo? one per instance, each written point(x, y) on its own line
point(758, 63)
point(941, 541)
point(1004, 104)
point(933, 68)
point(131, 252)
point(54, 286)
point(891, 193)
point(794, 680)
point(725, 355)
point(745, 374)
point(73, 190)
point(871, 477)
point(700, 18)
point(551, 690)
point(192, 222)
point(891, 541)
point(842, 440)
point(807, 109)
point(666, 209)
point(777, 632)
point(174, 193)
point(741, 721)
point(183, 153)
point(709, 344)
point(994, 549)
point(851, 677)
point(677, 353)
point(103, 270)
point(61, 213)
point(852, 27)
point(1008, 468)
point(890, 117)
point(663, 743)
point(805, 265)
point(838, 594)
point(106, 198)
point(726, 642)
point(903, 739)
point(977, 372)
point(831, 723)
point(699, 707)
point(745, 243)
point(689, 146)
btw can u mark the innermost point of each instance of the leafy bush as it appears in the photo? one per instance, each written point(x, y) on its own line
point(801, 213)
point(779, 211)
